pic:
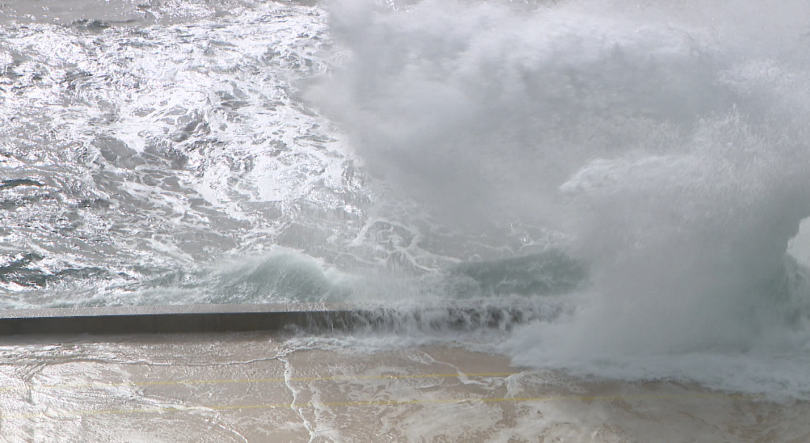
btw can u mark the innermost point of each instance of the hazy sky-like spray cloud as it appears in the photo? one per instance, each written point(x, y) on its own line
point(668, 138)
point(483, 110)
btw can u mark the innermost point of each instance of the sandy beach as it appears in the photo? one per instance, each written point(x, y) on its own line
point(271, 388)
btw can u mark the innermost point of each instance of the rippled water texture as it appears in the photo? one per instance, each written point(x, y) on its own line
point(149, 148)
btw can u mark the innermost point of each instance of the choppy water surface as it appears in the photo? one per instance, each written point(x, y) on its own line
point(637, 170)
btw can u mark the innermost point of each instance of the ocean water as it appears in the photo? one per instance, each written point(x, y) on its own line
point(634, 174)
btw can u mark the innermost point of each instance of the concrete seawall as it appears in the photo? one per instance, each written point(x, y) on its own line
point(242, 318)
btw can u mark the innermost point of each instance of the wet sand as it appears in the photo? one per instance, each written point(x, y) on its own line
point(270, 388)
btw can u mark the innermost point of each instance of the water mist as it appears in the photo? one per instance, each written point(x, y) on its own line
point(669, 142)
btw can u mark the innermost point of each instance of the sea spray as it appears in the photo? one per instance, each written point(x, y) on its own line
point(668, 140)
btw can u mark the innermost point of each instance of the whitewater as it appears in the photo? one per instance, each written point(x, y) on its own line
point(631, 175)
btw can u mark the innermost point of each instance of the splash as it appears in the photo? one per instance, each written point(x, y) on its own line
point(668, 140)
